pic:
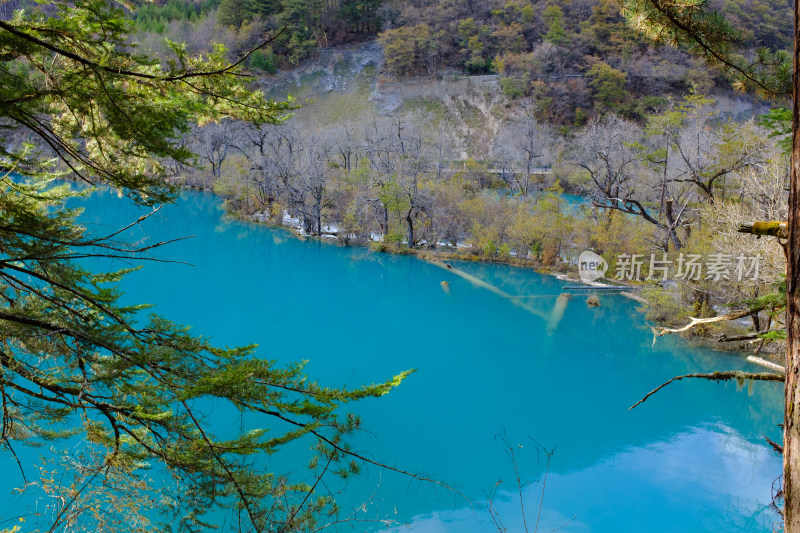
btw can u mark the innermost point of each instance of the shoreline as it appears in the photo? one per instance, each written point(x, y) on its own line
point(445, 252)
point(438, 256)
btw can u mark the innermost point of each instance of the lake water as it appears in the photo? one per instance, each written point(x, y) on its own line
point(692, 458)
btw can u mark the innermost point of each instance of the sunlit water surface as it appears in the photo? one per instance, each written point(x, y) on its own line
point(692, 458)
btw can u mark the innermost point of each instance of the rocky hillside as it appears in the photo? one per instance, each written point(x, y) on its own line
point(350, 86)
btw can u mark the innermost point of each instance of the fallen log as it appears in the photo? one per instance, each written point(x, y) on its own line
point(766, 364)
point(660, 331)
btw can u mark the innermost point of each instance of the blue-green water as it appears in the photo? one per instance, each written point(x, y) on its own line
point(692, 458)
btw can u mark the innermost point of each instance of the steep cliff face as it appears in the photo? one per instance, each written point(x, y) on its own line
point(350, 86)
point(474, 104)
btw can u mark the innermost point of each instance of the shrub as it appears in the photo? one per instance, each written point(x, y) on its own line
point(512, 87)
point(265, 60)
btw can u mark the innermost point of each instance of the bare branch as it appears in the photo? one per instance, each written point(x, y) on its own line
point(775, 446)
point(658, 332)
point(717, 376)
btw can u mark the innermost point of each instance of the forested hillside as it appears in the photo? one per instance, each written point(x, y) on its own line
point(575, 58)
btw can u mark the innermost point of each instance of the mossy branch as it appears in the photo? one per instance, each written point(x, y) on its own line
point(770, 228)
point(717, 376)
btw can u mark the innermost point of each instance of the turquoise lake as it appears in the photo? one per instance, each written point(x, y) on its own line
point(690, 459)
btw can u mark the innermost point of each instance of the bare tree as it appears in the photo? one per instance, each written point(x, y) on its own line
point(262, 175)
point(215, 141)
point(699, 154)
point(382, 153)
point(397, 153)
point(605, 151)
point(282, 167)
point(411, 171)
point(527, 141)
point(313, 164)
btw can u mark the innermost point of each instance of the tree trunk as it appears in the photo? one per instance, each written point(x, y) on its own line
point(791, 431)
point(527, 179)
point(756, 322)
point(671, 223)
point(664, 184)
point(308, 223)
point(410, 222)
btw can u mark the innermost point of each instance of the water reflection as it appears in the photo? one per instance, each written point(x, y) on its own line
point(703, 479)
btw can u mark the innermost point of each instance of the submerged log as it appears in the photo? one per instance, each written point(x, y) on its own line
point(488, 286)
point(558, 312)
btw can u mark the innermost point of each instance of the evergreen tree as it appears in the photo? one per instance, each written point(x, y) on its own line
point(73, 361)
point(236, 12)
point(608, 86)
point(265, 8)
point(556, 34)
point(361, 16)
point(304, 32)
